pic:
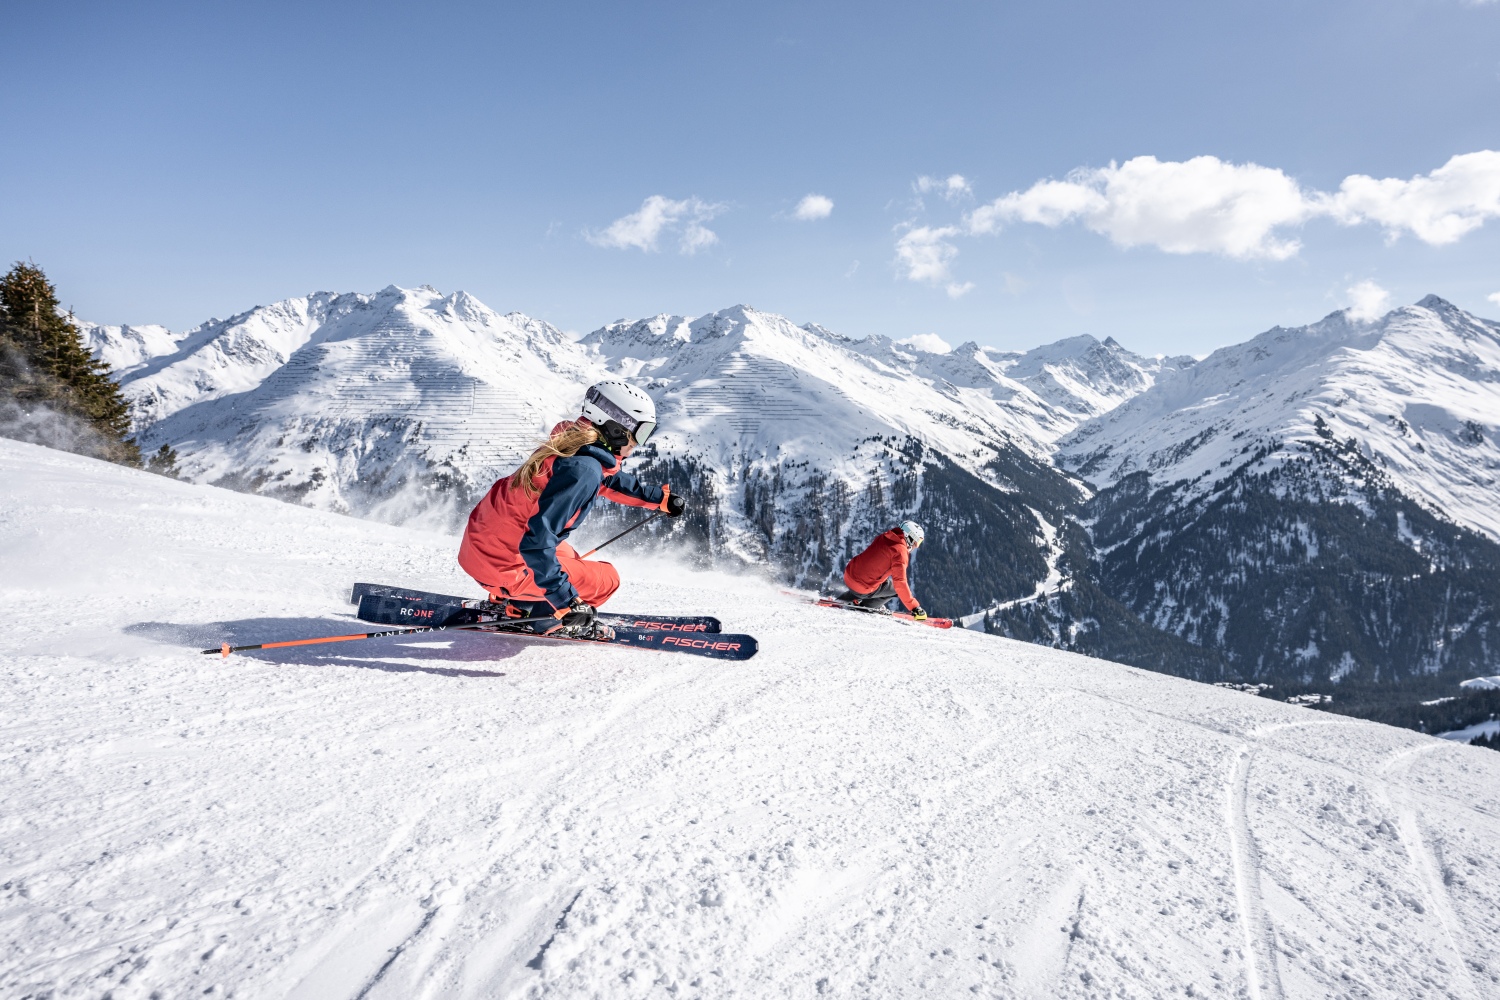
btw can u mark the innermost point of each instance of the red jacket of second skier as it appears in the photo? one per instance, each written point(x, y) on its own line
point(887, 556)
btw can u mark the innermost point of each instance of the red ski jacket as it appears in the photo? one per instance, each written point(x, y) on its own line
point(887, 556)
point(510, 542)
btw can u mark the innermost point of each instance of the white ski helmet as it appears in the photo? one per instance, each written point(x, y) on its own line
point(624, 405)
point(913, 532)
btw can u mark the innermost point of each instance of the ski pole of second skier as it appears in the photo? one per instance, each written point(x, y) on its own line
point(641, 523)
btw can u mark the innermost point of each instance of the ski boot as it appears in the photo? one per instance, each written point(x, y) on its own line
point(578, 620)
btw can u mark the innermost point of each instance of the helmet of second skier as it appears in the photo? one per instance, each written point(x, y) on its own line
point(620, 411)
point(913, 532)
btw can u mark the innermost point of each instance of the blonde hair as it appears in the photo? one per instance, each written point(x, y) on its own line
point(564, 444)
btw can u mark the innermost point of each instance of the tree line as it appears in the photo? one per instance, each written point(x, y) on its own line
point(52, 389)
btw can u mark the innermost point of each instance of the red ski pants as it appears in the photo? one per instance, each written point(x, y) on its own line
point(596, 582)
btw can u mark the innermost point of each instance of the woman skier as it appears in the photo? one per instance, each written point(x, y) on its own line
point(515, 542)
point(879, 572)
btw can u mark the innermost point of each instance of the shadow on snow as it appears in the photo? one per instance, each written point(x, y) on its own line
point(419, 652)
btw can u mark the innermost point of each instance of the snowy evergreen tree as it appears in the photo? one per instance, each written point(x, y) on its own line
point(45, 364)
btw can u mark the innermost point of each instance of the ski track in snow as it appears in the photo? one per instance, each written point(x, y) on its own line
point(1426, 867)
point(1260, 958)
point(864, 809)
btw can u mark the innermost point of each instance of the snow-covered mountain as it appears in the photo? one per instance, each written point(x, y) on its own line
point(126, 348)
point(1416, 391)
point(968, 403)
point(391, 405)
point(740, 375)
point(1317, 503)
point(864, 809)
point(798, 441)
point(805, 443)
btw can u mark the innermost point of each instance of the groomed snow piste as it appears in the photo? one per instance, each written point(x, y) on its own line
point(866, 808)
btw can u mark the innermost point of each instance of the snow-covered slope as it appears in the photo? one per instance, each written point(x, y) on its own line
point(1418, 391)
point(864, 809)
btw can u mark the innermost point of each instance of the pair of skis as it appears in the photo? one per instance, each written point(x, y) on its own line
point(422, 612)
point(829, 602)
point(697, 635)
point(403, 606)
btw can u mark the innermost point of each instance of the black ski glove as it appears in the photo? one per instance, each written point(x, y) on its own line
point(919, 613)
point(675, 505)
point(579, 613)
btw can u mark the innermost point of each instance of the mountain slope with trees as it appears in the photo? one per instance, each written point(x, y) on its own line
point(53, 391)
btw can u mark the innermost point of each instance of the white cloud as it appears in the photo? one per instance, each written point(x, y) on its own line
point(658, 215)
point(1367, 301)
point(928, 343)
point(1493, 298)
point(813, 206)
point(1438, 208)
point(952, 187)
point(925, 253)
point(1049, 203)
point(1202, 205)
point(1208, 205)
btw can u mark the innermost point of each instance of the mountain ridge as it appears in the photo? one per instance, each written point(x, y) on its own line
point(1073, 480)
point(1418, 388)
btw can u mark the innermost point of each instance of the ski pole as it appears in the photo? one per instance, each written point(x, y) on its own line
point(622, 534)
point(226, 648)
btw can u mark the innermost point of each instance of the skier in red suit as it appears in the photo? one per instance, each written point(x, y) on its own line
point(879, 572)
point(515, 544)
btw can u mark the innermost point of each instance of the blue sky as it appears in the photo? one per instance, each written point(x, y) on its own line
point(589, 162)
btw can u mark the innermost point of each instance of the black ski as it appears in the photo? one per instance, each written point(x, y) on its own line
point(406, 606)
point(833, 602)
point(715, 646)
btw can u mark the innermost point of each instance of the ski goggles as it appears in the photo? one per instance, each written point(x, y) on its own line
point(639, 429)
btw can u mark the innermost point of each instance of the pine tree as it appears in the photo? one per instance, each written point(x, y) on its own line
point(43, 359)
point(164, 462)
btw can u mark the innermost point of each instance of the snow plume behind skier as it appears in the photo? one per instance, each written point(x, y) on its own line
point(879, 572)
point(515, 544)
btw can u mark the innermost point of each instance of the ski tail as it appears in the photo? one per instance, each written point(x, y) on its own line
point(390, 609)
point(362, 590)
